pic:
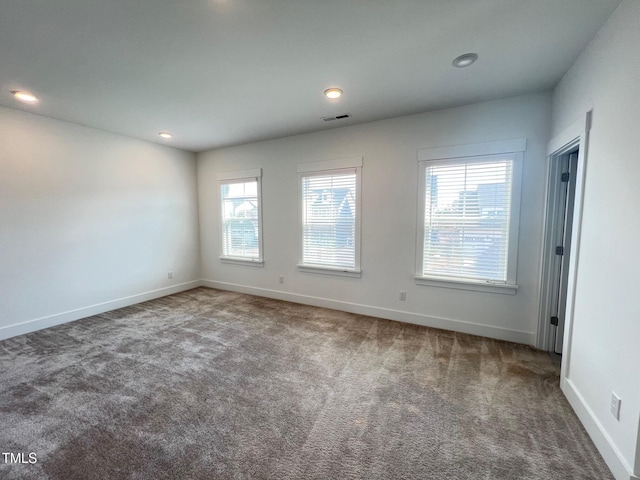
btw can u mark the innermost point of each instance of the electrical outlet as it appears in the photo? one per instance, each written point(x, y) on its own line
point(403, 296)
point(615, 405)
point(170, 275)
point(281, 279)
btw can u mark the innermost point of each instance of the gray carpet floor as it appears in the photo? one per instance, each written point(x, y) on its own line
point(208, 384)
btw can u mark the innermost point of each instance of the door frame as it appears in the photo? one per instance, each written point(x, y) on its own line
point(576, 136)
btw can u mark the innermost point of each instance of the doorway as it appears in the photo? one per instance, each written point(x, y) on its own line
point(567, 160)
point(562, 191)
point(561, 200)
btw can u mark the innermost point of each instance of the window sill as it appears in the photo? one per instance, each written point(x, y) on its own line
point(341, 272)
point(458, 284)
point(243, 261)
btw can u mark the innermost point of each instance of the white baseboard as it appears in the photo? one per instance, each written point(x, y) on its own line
point(64, 317)
point(516, 336)
point(612, 456)
point(527, 338)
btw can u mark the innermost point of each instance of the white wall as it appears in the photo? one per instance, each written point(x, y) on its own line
point(389, 199)
point(89, 221)
point(605, 338)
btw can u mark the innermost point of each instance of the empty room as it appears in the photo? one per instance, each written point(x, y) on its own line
point(275, 239)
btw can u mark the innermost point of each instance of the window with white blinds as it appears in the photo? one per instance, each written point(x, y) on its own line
point(330, 210)
point(469, 219)
point(241, 226)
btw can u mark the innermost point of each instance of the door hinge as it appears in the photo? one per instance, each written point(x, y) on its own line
point(565, 177)
point(560, 250)
point(554, 321)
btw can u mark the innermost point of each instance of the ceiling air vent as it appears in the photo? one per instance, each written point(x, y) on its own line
point(337, 117)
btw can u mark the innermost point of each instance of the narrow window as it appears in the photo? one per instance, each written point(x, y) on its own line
point(241, 223)
point(330, 216)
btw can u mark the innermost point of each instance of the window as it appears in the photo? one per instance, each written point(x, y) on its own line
point(468, 216)
point(241, 225)
point(330, 216)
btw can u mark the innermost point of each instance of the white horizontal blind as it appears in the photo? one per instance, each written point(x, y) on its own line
point(467, 218)
point(329, 218)
point(240, 219)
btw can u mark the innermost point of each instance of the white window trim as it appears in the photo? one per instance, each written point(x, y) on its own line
point(329, 167)
point(238, 176)
point(515, 147)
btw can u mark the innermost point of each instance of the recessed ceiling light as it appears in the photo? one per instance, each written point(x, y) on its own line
point(25, 97)
point(165, 134)
point(333, 92)
point(464, 60)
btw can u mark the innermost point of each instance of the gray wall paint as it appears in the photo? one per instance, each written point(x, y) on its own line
point(605, 353)
point(88, 217)
point(389, 199)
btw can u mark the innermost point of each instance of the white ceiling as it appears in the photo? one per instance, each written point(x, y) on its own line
point(224, 72)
